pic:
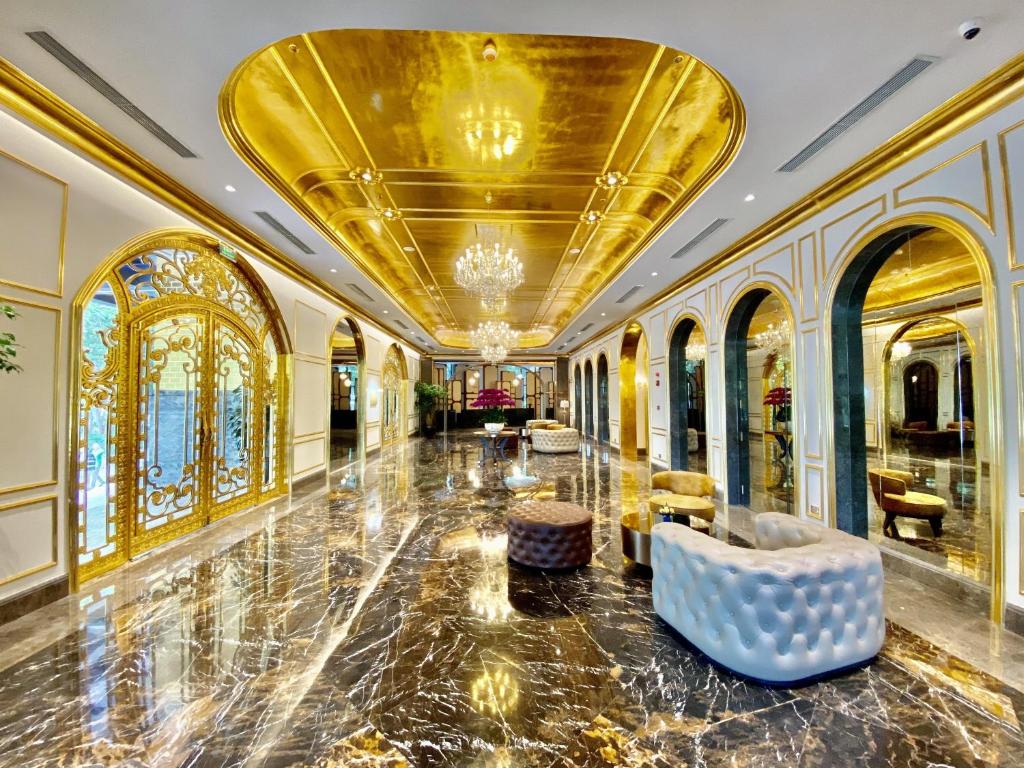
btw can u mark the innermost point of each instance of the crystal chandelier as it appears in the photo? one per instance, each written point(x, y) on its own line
point(696, 352)
point(775, 339)
point(494, 338)
point(900, 349)
point(490, 272)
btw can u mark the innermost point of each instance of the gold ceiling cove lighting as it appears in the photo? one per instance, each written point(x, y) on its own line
point(440, 121)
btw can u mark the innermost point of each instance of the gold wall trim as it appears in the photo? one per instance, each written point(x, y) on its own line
point(1017, 316)
point(59, 293)
point(58, 322)
point(881, 201)
point(986, 217)
point(1004, 163)
point(40, 106)
point(52, 498)
point(1002, 86)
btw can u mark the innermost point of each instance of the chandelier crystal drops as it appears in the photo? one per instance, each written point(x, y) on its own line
point(775, 339)
point(494, 338)
point(490, 272)
point(900, 350)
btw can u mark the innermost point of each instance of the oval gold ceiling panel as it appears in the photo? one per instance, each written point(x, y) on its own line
point(405, 147)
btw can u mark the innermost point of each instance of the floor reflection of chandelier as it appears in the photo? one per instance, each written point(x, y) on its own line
point(774, 339)
point(490, 272)
point(494, 339)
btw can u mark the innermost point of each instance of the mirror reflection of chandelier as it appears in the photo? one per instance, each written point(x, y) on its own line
point(900, 350)
point(696, 352)
point(774, 339)
point(494, 338)
point(491, 134)
point(490, 272)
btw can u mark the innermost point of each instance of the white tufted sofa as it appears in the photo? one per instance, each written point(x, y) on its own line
point(806, 602)
point(555, 440)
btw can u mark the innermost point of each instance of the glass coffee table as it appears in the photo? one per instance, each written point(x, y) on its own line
point(636, 532)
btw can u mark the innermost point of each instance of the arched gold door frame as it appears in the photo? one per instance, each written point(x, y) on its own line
point(393, 377)
point(187, 328)
point(632, 389)
point(360, 346)
point(983, 259)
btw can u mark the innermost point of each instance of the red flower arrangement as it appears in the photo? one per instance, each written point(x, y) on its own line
point(494, 401)
point(779, 396)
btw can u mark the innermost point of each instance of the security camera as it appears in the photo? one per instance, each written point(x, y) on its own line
point(970, 29)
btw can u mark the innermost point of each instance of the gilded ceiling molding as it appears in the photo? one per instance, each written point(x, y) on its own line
point(999, 88)
point(40, 106)
point(577, 167)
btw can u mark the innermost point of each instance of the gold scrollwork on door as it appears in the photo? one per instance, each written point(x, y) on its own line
point(179, 408)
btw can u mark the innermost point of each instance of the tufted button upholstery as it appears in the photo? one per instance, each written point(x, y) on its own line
point(549, 534)
point(565, 440)
point(806, 602)
point(539, 423)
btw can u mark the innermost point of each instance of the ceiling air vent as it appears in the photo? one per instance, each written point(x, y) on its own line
point(402, 325)
point(356, 289)
point(284, 232)
point(48, 43)
point(915, 67)
point(700, 237)
point(586, 327)
point(628, 294)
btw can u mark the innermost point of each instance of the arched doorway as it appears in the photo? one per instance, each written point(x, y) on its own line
point(178, 409)
point(347, 409)
point(602, 398)
point(910, 303)
point(921, 394)
point(393, 385)
point(633, 396)
point(588, 401)
point(578, 387)
point(759, 407)
point(686, 353)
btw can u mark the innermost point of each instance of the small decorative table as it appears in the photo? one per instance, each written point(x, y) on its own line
point(684, 507)
point(494, 445)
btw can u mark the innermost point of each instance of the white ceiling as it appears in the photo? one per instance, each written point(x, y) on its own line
point(797, 64)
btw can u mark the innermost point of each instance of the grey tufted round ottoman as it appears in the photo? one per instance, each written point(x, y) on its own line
point(549, 534)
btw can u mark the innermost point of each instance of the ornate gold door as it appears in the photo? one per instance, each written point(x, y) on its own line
point(195, 423)
point(180, 395)
point(171, 348)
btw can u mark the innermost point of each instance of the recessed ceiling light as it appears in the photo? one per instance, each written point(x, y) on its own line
point(654, 274)
point(749, 198)
point(385, 311)
point(333, 269)
point(229, 188)
point(574, 250)
point(603, 314)
point(409, 249)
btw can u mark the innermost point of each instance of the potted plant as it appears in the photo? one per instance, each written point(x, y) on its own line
point(493, 402)
point(8, 347)
point(427, 398)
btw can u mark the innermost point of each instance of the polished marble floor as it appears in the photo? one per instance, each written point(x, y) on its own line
point(377, 622)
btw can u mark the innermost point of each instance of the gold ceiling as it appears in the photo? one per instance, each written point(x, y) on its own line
point(933, 263)
point(405, 147)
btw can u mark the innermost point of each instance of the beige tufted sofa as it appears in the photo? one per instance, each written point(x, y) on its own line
point(539, 423)
point(565, 440)
point(805, 603)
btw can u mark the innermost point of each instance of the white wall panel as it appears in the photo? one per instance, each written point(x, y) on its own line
point(33, 209)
